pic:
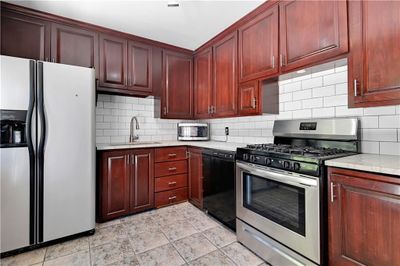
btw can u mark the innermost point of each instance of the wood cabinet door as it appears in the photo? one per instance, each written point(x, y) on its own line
point(195, 173)
point(249, 98)
point(139, 67)
point(225, 78)
point(142, 180)
point(177, 99)
point(113, 62)
point(311, 31)
point(24, 36)
point(114, 183)
point(258, 46)
point(203, 84)
point(74, 46)
point(364, 215)
point(374, 59)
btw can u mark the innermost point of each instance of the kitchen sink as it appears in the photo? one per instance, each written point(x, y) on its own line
point(135, 143)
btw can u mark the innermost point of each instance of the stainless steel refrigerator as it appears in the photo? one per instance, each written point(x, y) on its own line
point(47, 151)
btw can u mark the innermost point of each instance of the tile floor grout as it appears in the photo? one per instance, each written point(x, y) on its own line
point(118, 233)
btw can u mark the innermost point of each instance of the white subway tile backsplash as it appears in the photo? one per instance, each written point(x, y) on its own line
point(323, 91)
point(304, 94)
point(389, 148)
point(389, 121)
point(320, 92)
point(340, 77)
point(336, 100)
point(379, 134)
point(381, 110)
point(312, 83)
point(323, 112)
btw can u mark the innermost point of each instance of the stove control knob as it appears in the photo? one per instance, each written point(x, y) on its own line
point(286, 164)
point(268, 161)
point(245, 156)
point(296, 166)
point(252, 158)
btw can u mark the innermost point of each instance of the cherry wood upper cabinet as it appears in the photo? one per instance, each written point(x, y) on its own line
point(374, 59)
point(249, 98)
point(25, 36)
point(177, 98)
point(74, 46)
point(142, 180)
point(113, 61)
point(203, 84)
point(113, 185)
point(311, 32)
point(195, 163)
point(258, 46)
point(225, 76)
point(139, 67)
point(364, 215)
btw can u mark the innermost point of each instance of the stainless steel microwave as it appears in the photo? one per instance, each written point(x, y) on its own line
point(193, 131)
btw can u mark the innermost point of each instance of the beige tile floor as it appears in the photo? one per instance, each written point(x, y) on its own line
point(175, 235)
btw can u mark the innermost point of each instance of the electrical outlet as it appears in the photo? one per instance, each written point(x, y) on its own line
point(226, 131)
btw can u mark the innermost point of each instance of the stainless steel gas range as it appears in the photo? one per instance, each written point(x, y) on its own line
point(281, 189)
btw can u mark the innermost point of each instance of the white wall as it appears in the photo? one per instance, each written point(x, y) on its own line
point(320, 92)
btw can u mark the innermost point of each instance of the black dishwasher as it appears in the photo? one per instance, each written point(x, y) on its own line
point(219, 185)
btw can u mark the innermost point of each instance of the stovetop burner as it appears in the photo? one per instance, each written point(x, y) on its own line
point(296, 150)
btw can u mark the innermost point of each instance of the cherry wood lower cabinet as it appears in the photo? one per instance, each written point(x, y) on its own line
point(374, 59)
point(195, 173)
point(364, 218)
point(171, 177)
point(125, 182)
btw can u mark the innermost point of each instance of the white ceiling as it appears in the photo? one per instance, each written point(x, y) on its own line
point(188, 26)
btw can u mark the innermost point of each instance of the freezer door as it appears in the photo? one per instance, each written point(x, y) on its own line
point(16, 156)
point(68, 141)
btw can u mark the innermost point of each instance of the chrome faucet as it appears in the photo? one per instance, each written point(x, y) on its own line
point(132, 136)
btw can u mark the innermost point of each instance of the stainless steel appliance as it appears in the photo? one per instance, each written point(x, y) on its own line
point(48, 169)
point(219, 185)
point(193, 131)
point(280, 189)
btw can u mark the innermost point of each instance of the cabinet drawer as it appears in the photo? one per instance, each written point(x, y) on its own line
point(170, 182)
point(171, 197)
point(170, 168)
point(170, 154)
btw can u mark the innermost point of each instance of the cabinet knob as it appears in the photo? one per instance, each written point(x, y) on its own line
point(165, 110)
point(253, 102)
point(172, 198)
point(273, 61)
point(281, 59)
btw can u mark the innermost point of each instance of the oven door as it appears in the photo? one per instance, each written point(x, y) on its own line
point(282, 205)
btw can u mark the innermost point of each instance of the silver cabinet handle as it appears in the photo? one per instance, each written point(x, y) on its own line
point(171, 183)
point(213, 110)
point(165, 110)
point(172, 169)
point(172, 198)
point(273, 61)
point(208, 110)
point(281, 58)
point(355, 87)
point(253, 103)
point(332, 195)
point(172, 155)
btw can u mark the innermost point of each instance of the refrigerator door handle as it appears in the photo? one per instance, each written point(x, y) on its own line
point(31, 150)
point(40, 152)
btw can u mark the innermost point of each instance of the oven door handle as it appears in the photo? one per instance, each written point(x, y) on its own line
point(269, 173)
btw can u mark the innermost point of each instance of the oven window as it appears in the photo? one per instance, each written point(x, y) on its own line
point(276, 201)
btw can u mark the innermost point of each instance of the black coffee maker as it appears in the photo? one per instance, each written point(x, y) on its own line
point(12, 125)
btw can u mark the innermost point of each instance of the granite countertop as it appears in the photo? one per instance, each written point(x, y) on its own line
point(227, 146)
point(382, 164)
